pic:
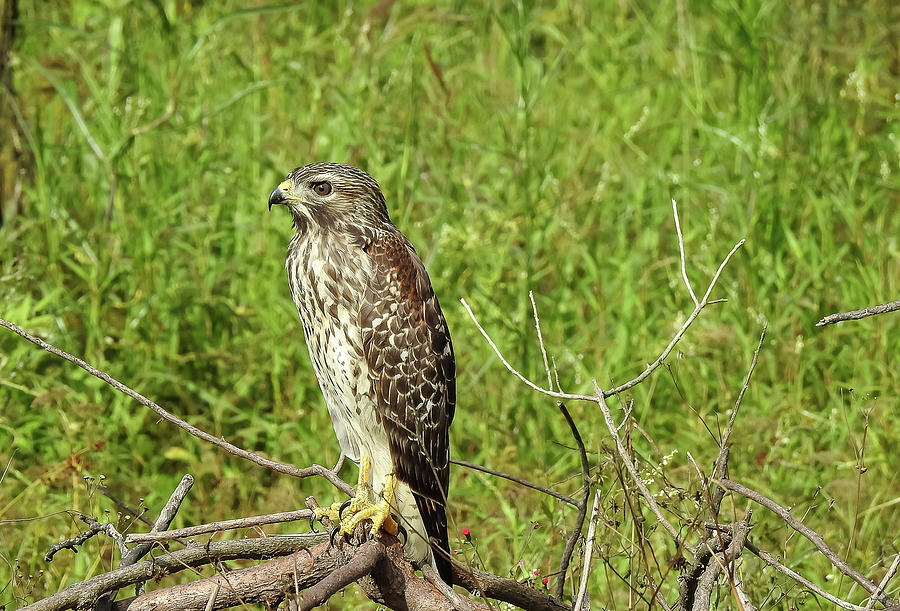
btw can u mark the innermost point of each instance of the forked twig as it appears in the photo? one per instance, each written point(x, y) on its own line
point(705, 301)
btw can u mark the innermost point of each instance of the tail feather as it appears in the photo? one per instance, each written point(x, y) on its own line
point(434, 518)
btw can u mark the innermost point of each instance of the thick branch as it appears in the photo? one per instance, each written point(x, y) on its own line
point(228, 447)
point(891, 306)
point(85, 592)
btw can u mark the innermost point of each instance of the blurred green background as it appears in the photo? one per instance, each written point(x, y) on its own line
point(521, 146)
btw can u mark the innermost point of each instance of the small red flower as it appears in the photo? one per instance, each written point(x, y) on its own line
point(465, 532)
point(537, 571)
point(545, 581)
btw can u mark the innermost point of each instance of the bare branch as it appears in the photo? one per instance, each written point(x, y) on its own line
point(192, 531)
point(537, 326)
point(588, 553)
point(887, 577)
point(814, 537)
point(505, 589)
point(648, 497)
point(774, 563)
point(582, 507)
point(94, 528)
point(228, 447)
point(891, 306)
point(737, 404)
point(86, 592)
point(684, 275)
point(717, 566)
point(631, 383)
point(166, 515)
point(361, 564)
point(518, 480)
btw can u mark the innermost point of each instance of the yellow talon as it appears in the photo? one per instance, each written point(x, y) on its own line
point(360, 508)
point(379, 513)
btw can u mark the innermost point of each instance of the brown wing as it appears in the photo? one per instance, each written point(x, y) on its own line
point(407, 346)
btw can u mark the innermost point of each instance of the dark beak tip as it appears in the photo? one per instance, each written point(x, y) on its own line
point(276, 197)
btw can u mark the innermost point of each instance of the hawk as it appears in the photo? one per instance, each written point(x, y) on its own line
point(381, 351)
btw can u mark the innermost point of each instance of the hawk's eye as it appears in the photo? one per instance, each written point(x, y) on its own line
point(322, 188)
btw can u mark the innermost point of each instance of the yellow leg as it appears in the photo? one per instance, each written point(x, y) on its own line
point(361, 508)
point(379, 513)
point(359, 501)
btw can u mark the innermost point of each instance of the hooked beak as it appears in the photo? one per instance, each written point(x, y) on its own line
point(279, 195)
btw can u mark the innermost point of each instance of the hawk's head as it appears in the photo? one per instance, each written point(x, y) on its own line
point(331, 195)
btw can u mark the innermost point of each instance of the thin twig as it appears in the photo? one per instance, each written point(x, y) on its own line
point(891, 306)
point(582, 509)
point(737, 404)
point(648, 497)
point(814, 537)
point(887, 577)
point(228, 447)
point(684, 275)
point(588, 553)
point(627, 385)
point(72, 543)
point(537, 326)
point(518, 480)
point(774, 563)
point(192, 531)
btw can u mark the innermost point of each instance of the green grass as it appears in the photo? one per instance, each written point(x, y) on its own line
point(540, 153)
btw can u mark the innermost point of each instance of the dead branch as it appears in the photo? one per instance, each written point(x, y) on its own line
point(94, 528)
point(635, 476)
point(85, 592)
point(166, 515)
point(891, 306)
point(582, 599)
point(504, 589)
point(582, 507)
point(557, 495)
point(362, 563)
point(280, 467)
point(200, 529)
point(776, 564)
point(814, 537)
point(705, 301)
point(712, 557)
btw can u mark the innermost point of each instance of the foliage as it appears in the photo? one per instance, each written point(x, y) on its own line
point(521, 147)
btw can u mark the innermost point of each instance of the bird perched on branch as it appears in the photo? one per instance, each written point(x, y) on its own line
point(381, 350)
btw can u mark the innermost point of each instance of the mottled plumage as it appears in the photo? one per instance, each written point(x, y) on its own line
point(378, 342)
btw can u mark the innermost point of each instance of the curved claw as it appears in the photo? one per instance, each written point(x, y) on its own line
point(344, 506)
point(312, 522)
point(334, 532)
point(401, 531)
